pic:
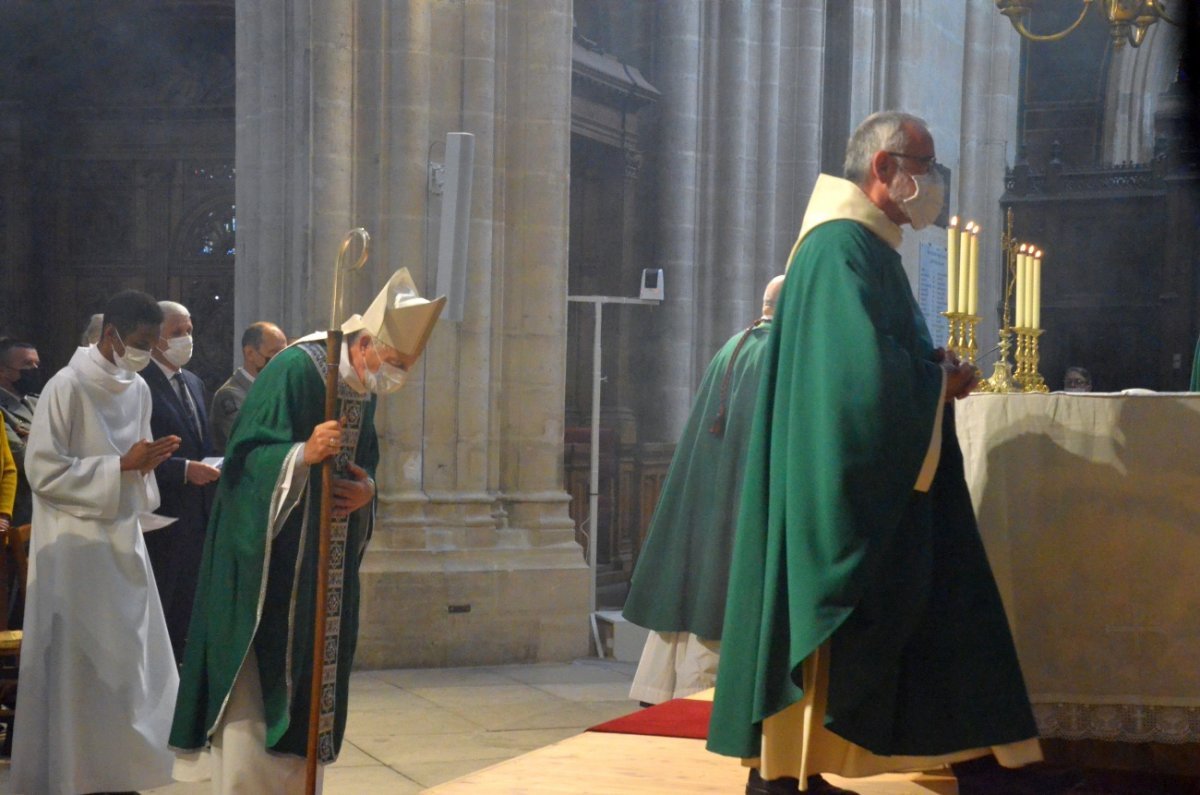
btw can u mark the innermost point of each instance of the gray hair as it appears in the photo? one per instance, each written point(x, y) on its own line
point(172, 308)
point(882, 131)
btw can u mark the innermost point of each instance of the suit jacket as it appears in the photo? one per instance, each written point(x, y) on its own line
point(188, 504)
point(226, 404)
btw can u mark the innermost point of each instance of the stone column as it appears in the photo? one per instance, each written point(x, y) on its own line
point(294, 149)
point(669, 335)
point(739, 146)
point(990, 66)
point(342, 107)
point(1136, 79)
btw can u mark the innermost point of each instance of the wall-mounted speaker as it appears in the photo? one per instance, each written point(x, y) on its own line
point(455, 227)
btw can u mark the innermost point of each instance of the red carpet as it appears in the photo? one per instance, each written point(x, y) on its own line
point(681, 717)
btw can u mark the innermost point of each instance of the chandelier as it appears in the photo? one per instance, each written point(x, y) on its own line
point(1128, 19)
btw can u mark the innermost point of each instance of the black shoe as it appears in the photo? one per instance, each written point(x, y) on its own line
point(985, 776)
point(757, 785)
point(820, 786)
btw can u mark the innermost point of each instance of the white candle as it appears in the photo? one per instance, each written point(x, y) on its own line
point(1037, 290)
point(973, 287)
point(964, 254)
point(1019, 298)
point(1029, 287)
point(952, 266)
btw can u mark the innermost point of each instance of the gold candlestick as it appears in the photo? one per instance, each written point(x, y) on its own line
point(1002, 381)
point(1027, 363)
point(961, 336)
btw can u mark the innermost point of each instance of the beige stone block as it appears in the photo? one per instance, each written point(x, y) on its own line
point(430, 774)
point(599, 692)
point(564, 637)
point(353, 756)
point(576, 715)
point(357, 780)
point(578, 672)
point(465, 700)
point(369, 694)
point(400, 752)
point(492, 639)
point(424, 718)
point(415, 678)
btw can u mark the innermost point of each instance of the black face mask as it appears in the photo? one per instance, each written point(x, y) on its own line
point(30, 382)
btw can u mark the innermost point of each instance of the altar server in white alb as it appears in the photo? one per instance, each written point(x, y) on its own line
point(98, 679)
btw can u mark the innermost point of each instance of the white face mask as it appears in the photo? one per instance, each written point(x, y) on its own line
point(925, 203)
point(134, 359)
point(388, 378)
point(179, 350)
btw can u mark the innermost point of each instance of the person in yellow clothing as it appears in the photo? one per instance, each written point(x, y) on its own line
point(8, 496)
point(8, 483)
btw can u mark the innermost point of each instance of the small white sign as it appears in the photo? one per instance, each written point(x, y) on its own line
point(931, 291)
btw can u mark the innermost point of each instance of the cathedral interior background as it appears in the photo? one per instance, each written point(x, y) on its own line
point(695, 131)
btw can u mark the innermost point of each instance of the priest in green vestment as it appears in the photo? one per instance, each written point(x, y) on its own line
point(863, 629)
point(679, 583)
point(245, 683)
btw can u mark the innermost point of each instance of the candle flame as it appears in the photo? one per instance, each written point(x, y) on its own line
point(1022, 249)
point(954, 222)
point(1038, 253)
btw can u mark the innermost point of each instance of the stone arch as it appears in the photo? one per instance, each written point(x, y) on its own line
point(1136, 78)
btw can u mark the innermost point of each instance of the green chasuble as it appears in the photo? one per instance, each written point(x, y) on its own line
point(680, 581)
point(257, 576)
point(834, 543)
point(1195, 387)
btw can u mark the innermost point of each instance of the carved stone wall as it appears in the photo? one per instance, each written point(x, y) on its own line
point(117, 145)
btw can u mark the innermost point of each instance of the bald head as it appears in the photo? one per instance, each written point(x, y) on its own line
point(261, 341)
point(771, 296)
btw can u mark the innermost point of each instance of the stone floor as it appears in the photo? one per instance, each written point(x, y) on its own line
point(411, 729)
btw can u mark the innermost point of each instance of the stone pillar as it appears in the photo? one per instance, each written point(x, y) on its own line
point(669, 335)
point(987, 142)
point(294, 149)
point(739, 136)
point(1136, 79)
point(341, 108)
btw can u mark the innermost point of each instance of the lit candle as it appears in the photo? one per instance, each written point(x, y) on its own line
point(1037, 289)
point(973, 288)
point(1019, 299)
point(952, 266)
point(964, 265)
point(1029, 286)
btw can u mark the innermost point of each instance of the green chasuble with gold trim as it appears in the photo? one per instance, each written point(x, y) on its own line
point(257, 575)
point(680, 581)
point(835, 544)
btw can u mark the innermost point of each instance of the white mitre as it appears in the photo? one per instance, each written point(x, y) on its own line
point(399, 317)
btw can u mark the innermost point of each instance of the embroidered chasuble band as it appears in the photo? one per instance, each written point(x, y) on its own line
point(350, 412)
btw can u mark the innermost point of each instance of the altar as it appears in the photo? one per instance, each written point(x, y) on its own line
point(1089, 506)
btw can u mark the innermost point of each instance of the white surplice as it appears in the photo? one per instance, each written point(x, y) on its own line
point(98, 679)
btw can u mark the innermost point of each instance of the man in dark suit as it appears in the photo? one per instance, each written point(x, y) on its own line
point(183, 478)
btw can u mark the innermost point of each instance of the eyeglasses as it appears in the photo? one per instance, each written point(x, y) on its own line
point(928, 161)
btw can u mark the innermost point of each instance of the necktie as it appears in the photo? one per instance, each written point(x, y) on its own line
point(186, 399)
